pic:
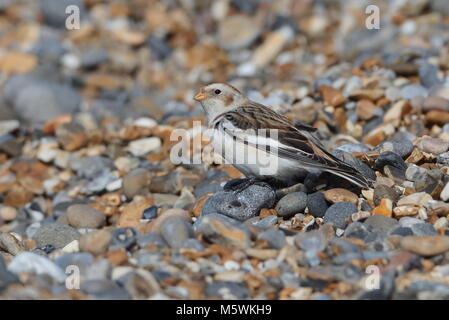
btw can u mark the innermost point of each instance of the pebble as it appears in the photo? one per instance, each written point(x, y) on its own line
point(402, 147)
point(8, 126)
point(56, 234)
point(382, 191)
point(275, 238)
point(417, 199)
point(237, 32)
point(123, 238)
point(441, 223)
point(291, 204)
point(266, 223)
point(444, 195)
point(175, 231)
point(227, 290)
point(223, 230)
point(436, 103)
point(141, 147)
point(10, 244)
point(7, 213)
point(425, 245)
point(381, 223)
point(411, 91)
point(96, 242)
point(32, 263)
point(339, 194)
point(423, 229)
point(357, 230)
point(71, 136)
point(339, 213)
point(135, 181)
point(433, 145)
point(85, 216)
point(316, 204)
point(50, 99)
point(391, 160)
point(241, 206)
point(151, 239)
point(150, 213)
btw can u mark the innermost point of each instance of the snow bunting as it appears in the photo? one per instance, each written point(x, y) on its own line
point(244, 130)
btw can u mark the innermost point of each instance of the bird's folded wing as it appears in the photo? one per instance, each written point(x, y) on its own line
point(280, 137)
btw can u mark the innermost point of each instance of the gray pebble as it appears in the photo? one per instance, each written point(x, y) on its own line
point(380, 223)
point(339, 212)
point(291, 204)
point(423, 229)
point(243, 205)
point(56, 234)
point(275, 238)
point(175, 231)
point(227, 290)
point(317, 204)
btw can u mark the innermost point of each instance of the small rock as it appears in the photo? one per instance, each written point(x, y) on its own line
point(237, 32)
point(135, 181)
point(393, 161)
point(33, 263)
point(423, 229)
point(402, 147)
point(316, 204)
point(224, 230)
point(8, 126)
point(433, 145)
point(150, 213)
point(7, 213)
point(380, 223)
point(151, 238)
point(382, 191)
point(123, 238)
point(227, 291)
point(436, 103)
point(10, 244)
point(96, 242)
point(339, 194)
point(243, 205)
point(403, 211)
point(56, 234)
point(275, 238)
point(441, 223)
point(415, 199)
point(425, 246)
point(85, 216)
point(385, 208)
point(444, 195)
point(143, 146)
point(71, 136)
point(331, 96)
point(175, 231)
point(339, 213)
point(291, 204)
point(411, 91)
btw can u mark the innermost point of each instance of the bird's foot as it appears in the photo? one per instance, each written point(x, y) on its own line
point(238, 185)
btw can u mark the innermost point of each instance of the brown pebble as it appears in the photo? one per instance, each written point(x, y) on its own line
point(339, 194)
point(426, 245)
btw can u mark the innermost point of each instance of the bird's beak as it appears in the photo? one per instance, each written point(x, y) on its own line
point(200, 96)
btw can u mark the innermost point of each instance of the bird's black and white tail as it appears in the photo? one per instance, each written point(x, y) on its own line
point(353, 175)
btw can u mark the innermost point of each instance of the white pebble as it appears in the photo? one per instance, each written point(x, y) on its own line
point(141, 147)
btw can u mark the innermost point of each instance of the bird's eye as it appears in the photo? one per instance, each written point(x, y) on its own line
point(217, 91)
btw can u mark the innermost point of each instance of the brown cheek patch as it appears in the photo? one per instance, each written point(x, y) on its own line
point(228, 100)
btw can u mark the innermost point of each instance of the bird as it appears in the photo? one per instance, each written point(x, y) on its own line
point(237, 123)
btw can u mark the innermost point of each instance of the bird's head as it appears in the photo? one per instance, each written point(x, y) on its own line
point(217, 98)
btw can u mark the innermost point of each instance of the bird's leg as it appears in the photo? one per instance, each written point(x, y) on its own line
point(238, 185)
